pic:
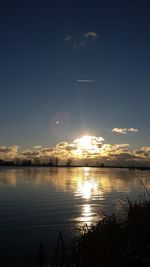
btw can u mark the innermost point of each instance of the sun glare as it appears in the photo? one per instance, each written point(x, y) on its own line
point(87, 189)
point(85, 142)
point(88, 144)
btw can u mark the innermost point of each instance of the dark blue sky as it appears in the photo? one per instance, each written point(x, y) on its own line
point(42, 72)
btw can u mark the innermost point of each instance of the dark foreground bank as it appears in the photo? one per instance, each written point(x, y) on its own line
point(110, 243)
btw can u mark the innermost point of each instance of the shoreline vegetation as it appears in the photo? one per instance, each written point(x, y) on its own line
point(68, 164)
point(111, 242)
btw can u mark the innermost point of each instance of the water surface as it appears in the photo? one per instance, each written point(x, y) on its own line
point(37, 203)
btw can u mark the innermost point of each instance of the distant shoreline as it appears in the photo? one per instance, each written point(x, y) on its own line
point(77, 166)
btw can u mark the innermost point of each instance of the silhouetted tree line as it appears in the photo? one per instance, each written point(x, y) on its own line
point(51, 162)
point(29, 162)
point(54, 162)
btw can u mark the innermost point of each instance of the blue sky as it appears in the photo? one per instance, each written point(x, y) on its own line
point(52, 71)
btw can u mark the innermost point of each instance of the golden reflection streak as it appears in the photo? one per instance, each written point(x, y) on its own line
point(8, 178)
point(84, 183)
point(87, 189)
point(86, 214)
point(72, 179)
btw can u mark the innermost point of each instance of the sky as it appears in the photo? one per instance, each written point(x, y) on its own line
point(74, 68)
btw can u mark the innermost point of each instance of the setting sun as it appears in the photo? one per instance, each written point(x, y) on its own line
point(85, 142)
point(88, 143)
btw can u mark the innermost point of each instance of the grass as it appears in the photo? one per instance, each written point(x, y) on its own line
point(111, 242)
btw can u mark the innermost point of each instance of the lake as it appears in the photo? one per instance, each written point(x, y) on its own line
point(37, 203)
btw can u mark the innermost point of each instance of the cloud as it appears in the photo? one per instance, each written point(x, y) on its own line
point(88, 146)
point(89, 139)
point(120, 130)
point(86, 81)
point(134, 130)
point(66, 146)
point(86, 149)
point(124, 130)
point(68, 38)
point(79, 45)
point(37, 147)
point(61, 145)
point(145, 148)
point(81, 40)
point(91, 35)
point(30, 153)
point(8, 152)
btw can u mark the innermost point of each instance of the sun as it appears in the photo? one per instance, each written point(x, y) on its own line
point(85, 142)
point(88, 143)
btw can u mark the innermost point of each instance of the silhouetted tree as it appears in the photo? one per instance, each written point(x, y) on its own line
point(69, 162)
point(56, 161)
point(51, 162)
point(102, 165)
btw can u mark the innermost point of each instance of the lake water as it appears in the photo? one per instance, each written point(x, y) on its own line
point(37, 203)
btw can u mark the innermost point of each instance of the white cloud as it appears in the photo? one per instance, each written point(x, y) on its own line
point(81, 40)
point(146, 148)
point(124, 130)
point(120, 130)
point(68, 38)
point(86, 81)
point(134, 130)
point(30, 153)
point(91, 35)
point(37, 147)
point(8, 152)
point(79, 45)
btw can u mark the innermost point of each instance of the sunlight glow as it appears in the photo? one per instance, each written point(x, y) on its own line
point(87, 143)
point(87, 189)
point(87, 215)
point(86, 171)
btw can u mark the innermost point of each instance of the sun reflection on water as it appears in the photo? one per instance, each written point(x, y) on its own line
point(86, 171)
point(86, 189)
point(8, 178)
point(86, 214)
point(83, 192)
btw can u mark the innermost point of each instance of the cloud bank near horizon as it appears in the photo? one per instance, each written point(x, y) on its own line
point(8, 152)
point(78, 151)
